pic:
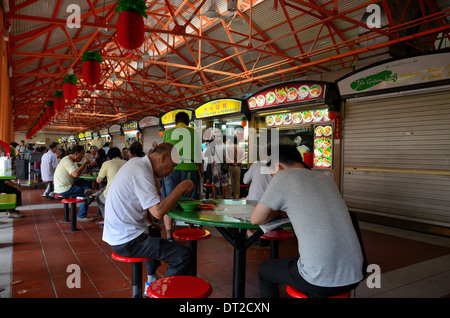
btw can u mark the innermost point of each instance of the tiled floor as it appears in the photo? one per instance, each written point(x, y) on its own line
point(36, 252)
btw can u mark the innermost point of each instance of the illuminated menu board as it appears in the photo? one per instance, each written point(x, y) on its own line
point(286, 94)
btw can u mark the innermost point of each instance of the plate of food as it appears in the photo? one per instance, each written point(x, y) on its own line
point(307, 116)
point(319, 131)
point(205, 206)
point(318, 115)
point(327, 142)
point(327, 130)
point(318, 143)
point(326, 162)
point(318, 161)
point(280, 95)
point(292, 94)
point(270, 120)
point(252, 102)
point(260, 100)
point(287, 119)
point(327, 152)
point(318, 152)
point(270, 98)
point(297, 118)
point(278, 119)
point(303, 92)
point(315, 91)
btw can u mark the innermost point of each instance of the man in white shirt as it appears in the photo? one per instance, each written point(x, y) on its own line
point(132, 198)
point(49, 162)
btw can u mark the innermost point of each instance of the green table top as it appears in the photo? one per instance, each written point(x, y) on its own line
point(7, 201)
point(7, 177)
point(88, 177)
point(227, 213)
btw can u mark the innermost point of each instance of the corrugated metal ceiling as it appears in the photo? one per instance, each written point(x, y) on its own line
point(228, 56)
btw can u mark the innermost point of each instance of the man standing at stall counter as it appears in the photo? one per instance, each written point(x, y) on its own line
point(133, 195)
point(188, 143)
point(331, 259)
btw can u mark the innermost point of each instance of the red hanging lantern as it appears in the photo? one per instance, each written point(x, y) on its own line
point(59, 101)
point(331, 113)
point(244, 121)
point(130, 24)
point(160, 132)
point(50, 109)
point(70, 87)
point(91, 67)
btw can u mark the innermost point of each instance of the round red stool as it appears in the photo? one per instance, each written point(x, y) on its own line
point(192, 235)
point(274, 237)
point(295, 293)
point(179, 287)
point(73, 207)
point(136, 272)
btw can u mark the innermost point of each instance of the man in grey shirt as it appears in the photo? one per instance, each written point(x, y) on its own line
point(331, 259)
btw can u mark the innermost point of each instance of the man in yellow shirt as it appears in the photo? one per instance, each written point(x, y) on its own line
point(108, 171)
point(65, 181)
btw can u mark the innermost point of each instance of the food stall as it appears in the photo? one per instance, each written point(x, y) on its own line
point(104, 136)
point(131, 133)
point(225, 116)
point(149, 127)
point(115, 131)
point(167, 120)
point(304, 114)
point(396, 147)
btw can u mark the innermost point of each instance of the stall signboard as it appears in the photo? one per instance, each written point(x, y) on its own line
point(88, 135)
point(104, 132)
point(169, 118)
point(396, 74)
point(81, 136)
point(218, 107)
point(71, 138)
point(129, 126)
point(287, 94)
point(148, 121)
point(115, 129)
point(323, 146)
point(304, 117)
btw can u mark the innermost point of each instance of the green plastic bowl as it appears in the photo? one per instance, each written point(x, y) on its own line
point(95, 174)
point(189, 205)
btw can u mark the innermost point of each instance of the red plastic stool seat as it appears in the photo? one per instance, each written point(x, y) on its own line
point(73, 207)
point(179, 287)
point(274, 237)
point(192, 235)
point(136, 272)
point(295, 293)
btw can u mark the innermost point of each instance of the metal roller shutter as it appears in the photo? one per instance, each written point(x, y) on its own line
point(396, 157)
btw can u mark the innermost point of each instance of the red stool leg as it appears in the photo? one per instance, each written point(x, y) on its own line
point(136, 280)
point(193, 247)
point(66, 213)
point(274, 247)
point(73, 221)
